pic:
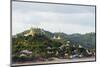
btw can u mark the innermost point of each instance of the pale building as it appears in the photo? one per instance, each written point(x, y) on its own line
point(59, 37)
point(26, 52)
point(68, 41)
point(31, 32)
point(56, 37)
point(80, 46)
point(88, 52)
point(67, 44)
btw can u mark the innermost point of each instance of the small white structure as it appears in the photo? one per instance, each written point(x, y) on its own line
point(80, 55)
point(80, 46)
point(31, 32)
point(57, 52)
point(21, 55)
point(88, 52)
point(57, 37)
point(26, 52)
point(74, 46)
point(49, 47)
point(54, 37)
point(68, 42)
point(73, 56)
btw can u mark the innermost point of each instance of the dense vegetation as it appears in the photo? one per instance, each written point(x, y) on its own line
point(43, 46)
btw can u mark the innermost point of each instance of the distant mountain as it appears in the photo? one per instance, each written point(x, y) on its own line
point(39, 31)
point(85, 40)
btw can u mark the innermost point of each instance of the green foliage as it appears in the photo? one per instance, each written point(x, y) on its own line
point(40, 42)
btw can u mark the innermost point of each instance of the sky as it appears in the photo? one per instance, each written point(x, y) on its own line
point(68, 19)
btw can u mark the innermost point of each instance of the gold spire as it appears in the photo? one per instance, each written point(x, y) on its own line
point(31, 32)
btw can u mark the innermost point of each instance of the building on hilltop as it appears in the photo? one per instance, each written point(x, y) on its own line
point(58, 37)
point(31, 32)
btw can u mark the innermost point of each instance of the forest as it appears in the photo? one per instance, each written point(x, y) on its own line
point(38, 44)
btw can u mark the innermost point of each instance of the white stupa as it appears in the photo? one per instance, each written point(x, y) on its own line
point(56, 37)
point(31, 32)
point(80, 46)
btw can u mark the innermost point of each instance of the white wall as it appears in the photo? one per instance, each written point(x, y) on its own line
point(5, 33)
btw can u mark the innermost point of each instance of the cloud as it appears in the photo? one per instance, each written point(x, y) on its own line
point(43, 7)
point(54, 19)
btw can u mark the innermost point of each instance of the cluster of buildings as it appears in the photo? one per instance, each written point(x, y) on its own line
point(75, 52)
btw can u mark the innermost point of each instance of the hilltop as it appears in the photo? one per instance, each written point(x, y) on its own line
point(37, 44)
point(86, 40)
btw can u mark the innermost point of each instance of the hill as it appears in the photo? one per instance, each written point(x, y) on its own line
point(86, 40)
point(36, 43)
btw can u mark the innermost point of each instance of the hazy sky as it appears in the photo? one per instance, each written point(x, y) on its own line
point(53, 17)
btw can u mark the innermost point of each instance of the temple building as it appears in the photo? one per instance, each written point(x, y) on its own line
point(31, 32)
point(58, 37)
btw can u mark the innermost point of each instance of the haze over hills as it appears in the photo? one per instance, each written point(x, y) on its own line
point(85, 40)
